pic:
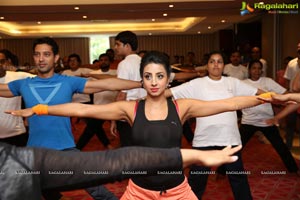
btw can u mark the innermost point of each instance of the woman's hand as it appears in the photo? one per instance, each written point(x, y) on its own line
point(219, 157)
point(272, 121)
point(282, 99)
point(113, 129)
point(209, 158)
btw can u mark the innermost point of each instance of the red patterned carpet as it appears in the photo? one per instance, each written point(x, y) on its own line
point(259, 159)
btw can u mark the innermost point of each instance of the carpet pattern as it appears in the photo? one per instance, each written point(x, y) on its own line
point(267, 177)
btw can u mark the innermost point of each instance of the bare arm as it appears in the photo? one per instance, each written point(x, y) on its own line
point(196, 108)
point(93, 86)
point(287, 97)
point(5, 91)
point(122, 110)
point(209, 158)
point(282, 114)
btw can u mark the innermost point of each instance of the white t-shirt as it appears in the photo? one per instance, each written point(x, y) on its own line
point(257, 115)
point(105, 97)
point(220, 129)
point(291, 71)
point(239, 72)
point(9, 124)
point(129, 69)
point(79, 98)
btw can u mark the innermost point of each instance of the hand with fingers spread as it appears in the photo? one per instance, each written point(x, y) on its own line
point(210, 158)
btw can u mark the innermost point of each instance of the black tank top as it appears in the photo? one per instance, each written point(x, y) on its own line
point(158, 133)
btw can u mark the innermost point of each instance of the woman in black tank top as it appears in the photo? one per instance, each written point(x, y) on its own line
point(156, 122)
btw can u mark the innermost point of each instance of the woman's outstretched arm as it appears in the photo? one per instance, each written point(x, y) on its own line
point(113, 111)
point(198, 108)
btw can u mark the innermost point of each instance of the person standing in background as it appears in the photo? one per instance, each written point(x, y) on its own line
point(256, 55)
point(95, 126)
point(235, 69)
point(74, 61)
point(291, 71)
point(126, 44)
point(254, 119)
point(113, 61)
point(280, 73)
point(13, 130)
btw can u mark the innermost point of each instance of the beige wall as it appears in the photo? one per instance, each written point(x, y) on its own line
point(23, 48)
point(290, 34)
point(284, 40)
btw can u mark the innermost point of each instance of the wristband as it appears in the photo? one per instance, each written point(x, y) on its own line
point(267, 95)
point(40, 109)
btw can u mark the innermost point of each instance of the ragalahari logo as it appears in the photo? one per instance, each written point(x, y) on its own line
point(246, 8)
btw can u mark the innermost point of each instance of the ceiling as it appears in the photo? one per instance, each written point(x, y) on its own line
point(31, 18)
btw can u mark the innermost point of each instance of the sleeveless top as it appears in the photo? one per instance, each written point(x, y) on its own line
point(162, 134)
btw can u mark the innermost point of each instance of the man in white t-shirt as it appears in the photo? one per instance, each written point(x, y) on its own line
point(74, 61)
point(12, 128)
point(292, 69)
point(235, 69)
point(94, 126)
point(126, 44)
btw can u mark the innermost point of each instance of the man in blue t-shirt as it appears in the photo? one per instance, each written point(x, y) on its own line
point(50, 88)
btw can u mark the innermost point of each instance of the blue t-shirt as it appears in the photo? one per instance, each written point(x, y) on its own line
point(48, 131)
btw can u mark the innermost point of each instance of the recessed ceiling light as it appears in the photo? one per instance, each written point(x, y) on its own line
point(199, 32)
point(153, 20)
point(171, 6)
point(150, 33)
point(209, 27)
point(1, 17)
point(76, 8)
point(84, 16)
point(39, 22)
point(223, 20)
point(165, 14)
